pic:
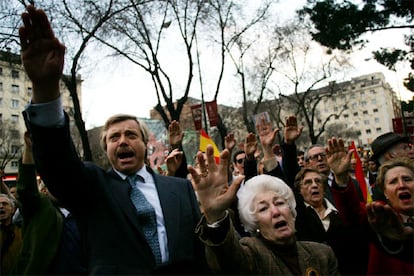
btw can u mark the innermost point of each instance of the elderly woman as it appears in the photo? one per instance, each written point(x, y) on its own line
point(343, 227)
point(392, 253)
point(267, 210)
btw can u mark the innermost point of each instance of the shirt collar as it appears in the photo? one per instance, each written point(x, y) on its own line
point(142, 172)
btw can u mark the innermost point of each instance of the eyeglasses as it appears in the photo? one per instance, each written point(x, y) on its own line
point(315, 157)
point(240, 161)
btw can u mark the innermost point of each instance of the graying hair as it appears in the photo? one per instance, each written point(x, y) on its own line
point(10, 199)
point(255, 185)
point(306, 155)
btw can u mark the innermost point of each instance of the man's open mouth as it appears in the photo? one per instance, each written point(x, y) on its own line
point(124, 155)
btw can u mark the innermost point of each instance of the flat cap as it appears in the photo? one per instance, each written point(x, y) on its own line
point(385, 141)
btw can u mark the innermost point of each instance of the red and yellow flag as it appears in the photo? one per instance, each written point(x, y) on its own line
point(206, 140)
point(359, 175)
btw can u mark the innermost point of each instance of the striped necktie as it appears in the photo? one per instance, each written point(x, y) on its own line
point(146, 215)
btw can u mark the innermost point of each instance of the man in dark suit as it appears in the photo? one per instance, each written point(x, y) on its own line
point(111, 227)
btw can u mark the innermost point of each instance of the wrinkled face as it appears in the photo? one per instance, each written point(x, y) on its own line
point(239, 164)
point(311, 189)
point(317, 160)
point(275, 219)
point(125, 148)
point(6, 210)
point(399, 189)
point(401, 150)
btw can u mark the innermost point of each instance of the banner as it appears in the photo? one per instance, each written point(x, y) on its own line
point(206, 140)
point(359, 175)
point(212, 112)
point(197, 112)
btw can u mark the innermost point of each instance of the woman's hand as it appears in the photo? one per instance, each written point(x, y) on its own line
point(211, 184)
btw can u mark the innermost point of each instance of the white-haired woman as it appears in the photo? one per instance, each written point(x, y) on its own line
point(267, 210)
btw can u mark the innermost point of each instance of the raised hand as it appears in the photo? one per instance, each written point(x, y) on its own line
point(291, 131)
point(339, 160)
point(386, 222)
point(175, 134)
point(250, 146)
point(173, 161)
point(267, 136)
point(42, 55)
point(210, 182)
point(230, 142)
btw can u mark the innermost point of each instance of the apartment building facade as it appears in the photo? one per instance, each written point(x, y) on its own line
point(370, 102)
point(15, 93)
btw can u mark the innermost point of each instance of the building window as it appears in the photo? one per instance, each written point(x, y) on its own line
point(15, 74)
point(365, 112)
point(1, 86)
point(1, 117)
point(377, 120)
point(1, 71)
point(15, 134)
point(373, 101)
point(363, 103)
point(368, 131)
point(375, 110)
point(355, 113)
point(346, 116)
point(15, 118)
point(29, 91)
point(362, 92)
point(366, 122)
point(379, 130)
point(1, 101)
point(335, 109)
point(15, 89)
point(373, 91)
point(14, 164)
point(354, 105)
point(14, 103)
point(15, 148)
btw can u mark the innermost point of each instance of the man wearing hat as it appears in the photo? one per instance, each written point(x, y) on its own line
point(389, 146)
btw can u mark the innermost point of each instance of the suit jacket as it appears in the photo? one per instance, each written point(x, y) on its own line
point(251, 255)
point(111, 235)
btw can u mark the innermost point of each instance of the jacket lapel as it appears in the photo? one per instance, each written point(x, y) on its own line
point(168, 196)
point(122, 199)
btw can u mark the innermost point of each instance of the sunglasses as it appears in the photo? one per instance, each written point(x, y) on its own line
point(240, 161)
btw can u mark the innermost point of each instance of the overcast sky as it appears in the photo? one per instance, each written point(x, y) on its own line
point(120, 87)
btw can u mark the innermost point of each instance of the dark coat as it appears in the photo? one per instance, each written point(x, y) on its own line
point(111, 235)
point(251, 256)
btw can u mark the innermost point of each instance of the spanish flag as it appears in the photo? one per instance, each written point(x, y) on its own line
point(206, 140)
point(359, 175)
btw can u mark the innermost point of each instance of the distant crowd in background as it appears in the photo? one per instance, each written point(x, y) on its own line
point(264, 209)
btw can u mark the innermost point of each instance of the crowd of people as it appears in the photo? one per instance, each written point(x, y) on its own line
point(264, 209)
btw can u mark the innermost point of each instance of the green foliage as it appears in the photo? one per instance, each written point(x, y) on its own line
point(340, 24)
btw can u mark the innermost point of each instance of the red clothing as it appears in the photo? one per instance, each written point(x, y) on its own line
point(381, 263)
